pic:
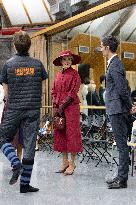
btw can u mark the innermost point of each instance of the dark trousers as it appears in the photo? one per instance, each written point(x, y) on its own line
point(120, 126)
point(29, 120)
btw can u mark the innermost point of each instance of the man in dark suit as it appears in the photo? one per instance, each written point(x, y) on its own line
point(118, 107)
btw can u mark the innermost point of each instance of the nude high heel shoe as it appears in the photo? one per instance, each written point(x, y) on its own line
point(70, 170)
point(63, 167)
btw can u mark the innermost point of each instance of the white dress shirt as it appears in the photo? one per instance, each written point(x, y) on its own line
point(108, 62)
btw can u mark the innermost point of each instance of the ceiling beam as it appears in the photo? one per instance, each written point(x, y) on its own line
point(130, 34)
point(27, 13)
point(47, 23)
point(91, 14)
point(47, 10)
point(5, 14)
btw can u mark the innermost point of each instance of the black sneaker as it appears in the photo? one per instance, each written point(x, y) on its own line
point(27, 188)
point(110, 181)
point(16, 172)
point(118, 185)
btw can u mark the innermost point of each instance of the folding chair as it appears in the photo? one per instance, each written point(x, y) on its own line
point(132, 144)
point(45, 134)
point(96, 144)
point(133, 147)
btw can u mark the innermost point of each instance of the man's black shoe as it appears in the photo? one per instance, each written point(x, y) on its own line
point(110, 181)
point(16, 172)
point(117, 184)
point(27, 188)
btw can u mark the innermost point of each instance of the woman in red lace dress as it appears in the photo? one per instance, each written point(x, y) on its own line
point(66, 102)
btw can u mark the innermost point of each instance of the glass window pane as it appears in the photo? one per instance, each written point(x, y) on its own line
point(15, 12)
point(37, 11)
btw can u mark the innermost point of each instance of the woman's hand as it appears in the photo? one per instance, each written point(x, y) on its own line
point(56, 114)
point(61, 111)
point(133, 110)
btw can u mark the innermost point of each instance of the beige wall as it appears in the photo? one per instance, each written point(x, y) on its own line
point(95, 59)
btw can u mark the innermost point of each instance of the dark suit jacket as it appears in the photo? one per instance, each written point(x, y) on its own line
point(101, 91)
point(117, 98)
point(133, 96)
point(92, 99)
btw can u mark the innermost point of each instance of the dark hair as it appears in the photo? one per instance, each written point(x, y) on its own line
point(0, 79)
point(84, 71)
point(102, 78)
point(112, 42)
point(86, 81)
point(128, 86)
point(22, 41)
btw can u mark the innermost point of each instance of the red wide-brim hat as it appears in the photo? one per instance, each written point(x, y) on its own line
point(76, 58)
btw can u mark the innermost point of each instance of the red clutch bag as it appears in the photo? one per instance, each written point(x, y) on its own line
point(59, 123)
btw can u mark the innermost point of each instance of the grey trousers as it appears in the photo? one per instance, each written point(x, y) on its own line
point(29, 121)
point(120, 126)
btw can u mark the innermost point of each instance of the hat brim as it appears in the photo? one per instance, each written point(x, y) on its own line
point(76, 60)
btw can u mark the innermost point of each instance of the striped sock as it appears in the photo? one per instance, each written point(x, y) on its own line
point(27, 172)
point(9, 151)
